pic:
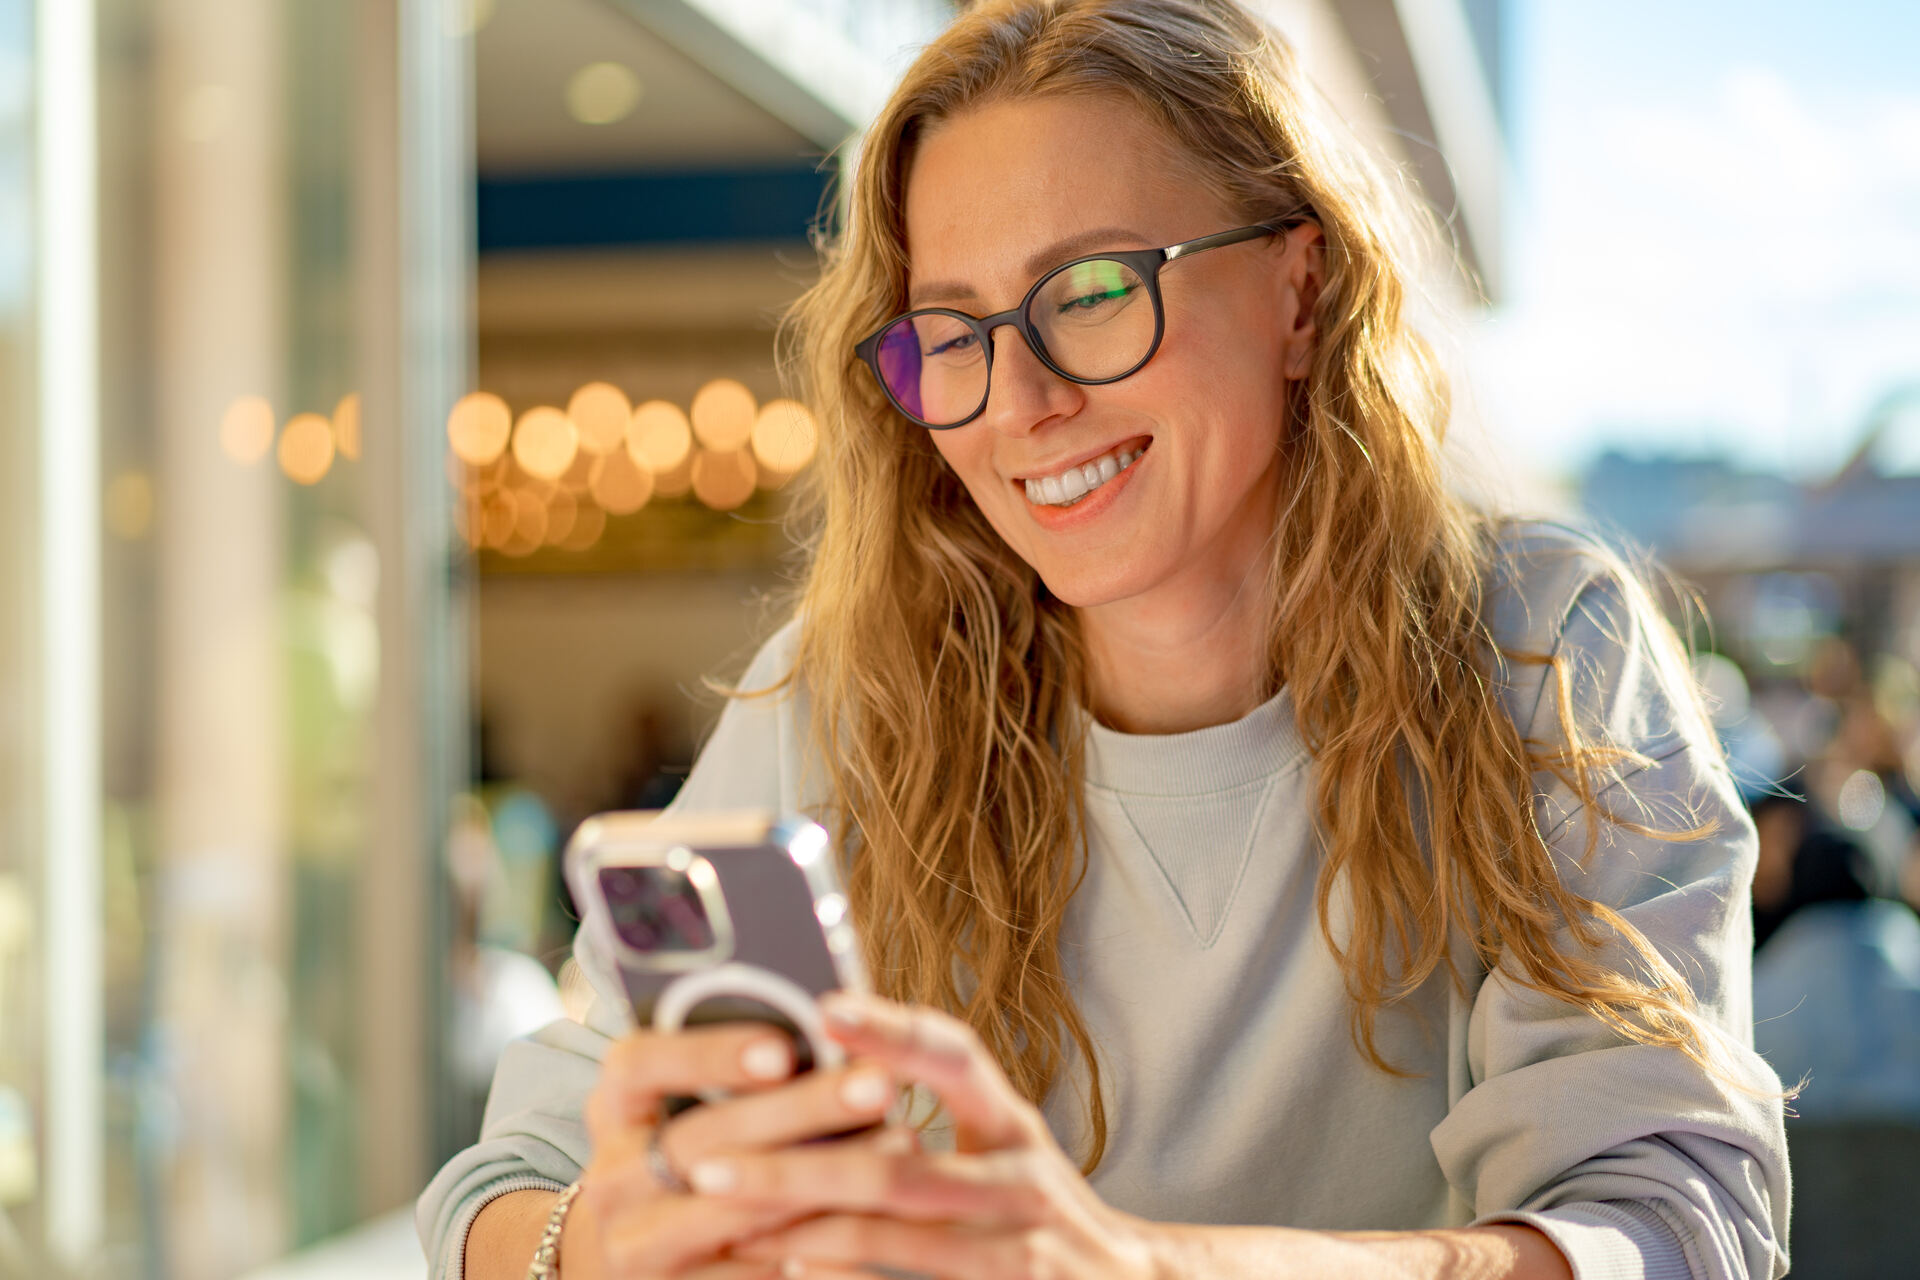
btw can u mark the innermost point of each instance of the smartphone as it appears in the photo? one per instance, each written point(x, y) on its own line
point(719, 918)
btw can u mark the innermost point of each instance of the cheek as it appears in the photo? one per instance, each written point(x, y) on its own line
point(967, 453)
point(1221, 378)
point(1230, 348)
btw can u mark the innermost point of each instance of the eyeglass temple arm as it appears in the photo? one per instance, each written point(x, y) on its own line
point(1221, 238)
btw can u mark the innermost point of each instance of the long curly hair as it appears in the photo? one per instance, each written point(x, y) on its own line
point(950, 688)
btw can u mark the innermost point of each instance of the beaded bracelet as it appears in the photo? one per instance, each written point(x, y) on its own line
point(547, 1256)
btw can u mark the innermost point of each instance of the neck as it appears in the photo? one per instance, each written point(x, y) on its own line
point(1185, 656)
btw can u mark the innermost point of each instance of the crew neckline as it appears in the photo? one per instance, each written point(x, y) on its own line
point(1198, 762)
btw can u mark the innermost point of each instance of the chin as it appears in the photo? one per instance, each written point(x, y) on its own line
point(1083, 587)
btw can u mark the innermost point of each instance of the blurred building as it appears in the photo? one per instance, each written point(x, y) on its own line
point(382, 369)
point(1786, 558)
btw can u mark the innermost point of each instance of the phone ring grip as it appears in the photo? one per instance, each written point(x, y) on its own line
point(678, 999)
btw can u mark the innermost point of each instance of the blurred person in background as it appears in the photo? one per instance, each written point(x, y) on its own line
point(1836, 981)
point(1803, 861)
point(501, 865)
point(1274, 864)
point(653, 769)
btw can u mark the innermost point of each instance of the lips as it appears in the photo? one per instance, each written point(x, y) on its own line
point(1074, 483)
point(1041, 472)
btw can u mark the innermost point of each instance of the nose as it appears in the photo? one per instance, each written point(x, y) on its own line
point(1022, 392)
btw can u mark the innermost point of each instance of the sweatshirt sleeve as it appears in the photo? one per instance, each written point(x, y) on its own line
point(1597, 1141)
point(533, 1135)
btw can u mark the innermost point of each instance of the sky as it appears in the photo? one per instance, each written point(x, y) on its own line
point(1713, 230)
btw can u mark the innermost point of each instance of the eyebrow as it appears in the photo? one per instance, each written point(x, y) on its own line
point(1052, 256)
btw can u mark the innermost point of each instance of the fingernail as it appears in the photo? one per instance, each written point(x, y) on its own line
point(792, 1268)
point(842, 1011)
point(766, 1060)
point(714, 1177)
point(865, 1090)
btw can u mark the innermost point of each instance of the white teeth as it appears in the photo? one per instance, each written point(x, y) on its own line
point(1076, 482)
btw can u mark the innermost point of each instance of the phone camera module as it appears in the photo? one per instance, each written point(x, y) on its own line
point(657, 909)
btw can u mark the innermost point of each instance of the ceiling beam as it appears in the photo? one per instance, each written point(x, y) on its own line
point(1424, 64)
point(824, 74)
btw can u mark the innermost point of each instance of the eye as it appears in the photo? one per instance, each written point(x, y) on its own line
point(1090, 290)
point(1090, 301)
point(958, 344)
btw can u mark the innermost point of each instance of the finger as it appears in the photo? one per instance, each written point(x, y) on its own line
point(819, 1104)
point(995, 1189)
point(644, 1067)
point(844, 1243)
point(664, 1235)
point(743, 1270)
point(943, 1053)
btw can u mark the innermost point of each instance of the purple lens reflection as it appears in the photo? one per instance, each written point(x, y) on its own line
point(899, 361)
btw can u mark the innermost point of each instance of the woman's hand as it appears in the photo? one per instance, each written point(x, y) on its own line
point(1005, 1205)
point(628, 1224)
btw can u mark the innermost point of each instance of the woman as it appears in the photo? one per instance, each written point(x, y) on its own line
point(1280, 869)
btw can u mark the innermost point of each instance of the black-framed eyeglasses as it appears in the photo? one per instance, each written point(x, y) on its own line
point(1084, 320)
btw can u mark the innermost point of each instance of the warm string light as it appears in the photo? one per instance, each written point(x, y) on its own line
point(723, 413)
point(554, 477)
point(545, 442)
point(478, 428)
point(246, 429)
point(619, 484)
point(601, 413)
point(724, 481)
point(785, 437)
point(346, 426)
point(305, 448)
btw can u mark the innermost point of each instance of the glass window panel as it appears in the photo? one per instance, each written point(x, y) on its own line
point(20, 935)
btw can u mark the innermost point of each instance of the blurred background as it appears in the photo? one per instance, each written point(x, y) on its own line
point(393, 446)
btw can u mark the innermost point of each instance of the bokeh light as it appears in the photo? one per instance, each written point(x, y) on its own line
point(589, 522)
point(306, 448)
point(529, 522)
point(246, 429)
point(478, 428)
point(580, 475)
point(723, 413)
point(1863, 798)
point(601, 412)
point(724, 481)
point(785, 437)
point(602, 93)
point(677, 482)
point(497, 517)
point(562, 512)
point(346, 426)
point(660, 438)
point(621, 485)
point(545, 442)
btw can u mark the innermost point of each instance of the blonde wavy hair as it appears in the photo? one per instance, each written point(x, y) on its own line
point(949, 687)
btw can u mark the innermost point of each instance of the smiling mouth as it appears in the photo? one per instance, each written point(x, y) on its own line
point(1075, 483)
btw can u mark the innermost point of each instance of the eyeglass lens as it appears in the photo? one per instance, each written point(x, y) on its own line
point(1095, 320)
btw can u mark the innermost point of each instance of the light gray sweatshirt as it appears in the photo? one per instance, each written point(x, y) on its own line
point(1234, 1091)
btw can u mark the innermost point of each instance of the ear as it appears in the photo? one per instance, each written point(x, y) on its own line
point(1303, 272)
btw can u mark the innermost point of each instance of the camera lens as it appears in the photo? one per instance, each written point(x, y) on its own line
point(657, 909)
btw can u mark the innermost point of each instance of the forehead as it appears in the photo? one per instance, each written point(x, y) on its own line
point(988, 189)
